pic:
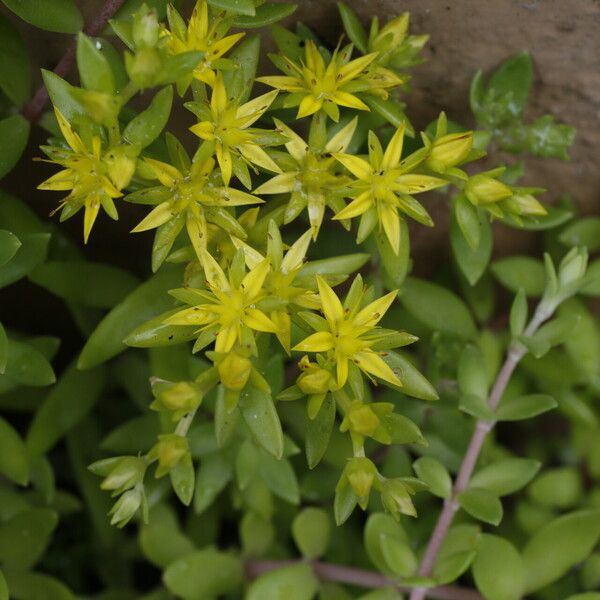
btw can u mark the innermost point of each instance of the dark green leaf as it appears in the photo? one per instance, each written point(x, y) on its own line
point(26, 585)
point(391, 111)
point(14, 463)
point(583, 232)
point(296, 582)
point(262, 419)
point(558, 546)
point(61, 16)
point(239, 81)
point(279, 476)
point(559, 488)
point(413, 382)
point(353, 27)
point(267, 14)
point(15, 129)
point(335, 265)
point(481, 504)
point(512, 80)
point(506, 476)
point(206, 573)
point(9, 244)
point(395, 265)
point(318, 432)
point(24, 537)
point(145, 302)
point(61, 94)
point(26, 365)
point(524, 407)
point(91, 284)
point(30, 254)
point(471, 261)
point(387, 545)
point(498, 569)
point(146, 127)
point(182, 479)
point(214, 473)
point(69, 401)
point(94, 71)
point(437, 308)
point(240, 7)
point(521, 272)
point(15, 74)
point(311, 529)
point(435, 475)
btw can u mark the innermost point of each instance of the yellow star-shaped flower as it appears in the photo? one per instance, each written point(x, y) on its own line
point(227, 309)
point(348, 334)
point(94, 178)
point(228, 128)
point(191, 199)
point(383, 187)
point(201, 34)
point(313, 182)
point(314, 84)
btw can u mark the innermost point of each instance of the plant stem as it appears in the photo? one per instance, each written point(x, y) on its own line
point(34, 108)
point(357, 577)
point(514, 355)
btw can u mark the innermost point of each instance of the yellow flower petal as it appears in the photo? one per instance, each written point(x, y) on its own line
point(342, 371)
point(167, 174)
point(280, 184)
point(359, 167)
point(218, 99)
point(204, 130)
point(354, 67)
point(225, 162)
point(283, 82)
point(340, 141)
point(257, 320)
point(371, 314)
point(372, 363)
point(252, 257)
point(358, 206)
point(253, 110)
point(297, 147)
point(308, 106)
point(254, 280)
point(226, 338)
point(348, 100)
point(60, 182)
point(332, 307)
point(256, 155)
point(155, 218)
point(393, 152)
point(70, 136)
point(389, 219)
point(294, 257)
point(282, 321)
point(92, 206)
point(214, 274)
point(321, 341)
point(195, 315)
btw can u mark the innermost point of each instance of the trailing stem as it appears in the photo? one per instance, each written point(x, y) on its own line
point(514, 355)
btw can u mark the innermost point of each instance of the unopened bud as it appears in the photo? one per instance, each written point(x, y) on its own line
point(126, 473)
point(143, 67)
point(145, 30)
point(483, 189)
point(315, 380)
point(234, 371)
point(170, 450)
point(449, 151)
point(126, 507)
point(360, 473)
point(182, 396)
point(396, 498)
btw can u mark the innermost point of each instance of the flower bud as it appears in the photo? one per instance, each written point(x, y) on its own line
point(315, 380)
point(360, 473)
point(391, 34)
point(449, 151)
point(234, 371)
point(126, 507)
point(170, 450)
point(396, 498)
point(126, 473)
point(483, 189)
point(145, 30)
point(143, 67)
point(363, 420)
point(121, 162)
point(182, 396)
point(525, 204)
point(101, 107)
point(572, 267)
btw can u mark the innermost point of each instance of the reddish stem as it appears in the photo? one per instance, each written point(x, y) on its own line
point(34, 108)
point(451, 505)
point(358, 577)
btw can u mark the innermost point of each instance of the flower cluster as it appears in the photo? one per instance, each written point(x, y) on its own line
point(248, 289)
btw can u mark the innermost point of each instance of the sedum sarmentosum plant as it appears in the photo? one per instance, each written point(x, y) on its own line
point(281, 365)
